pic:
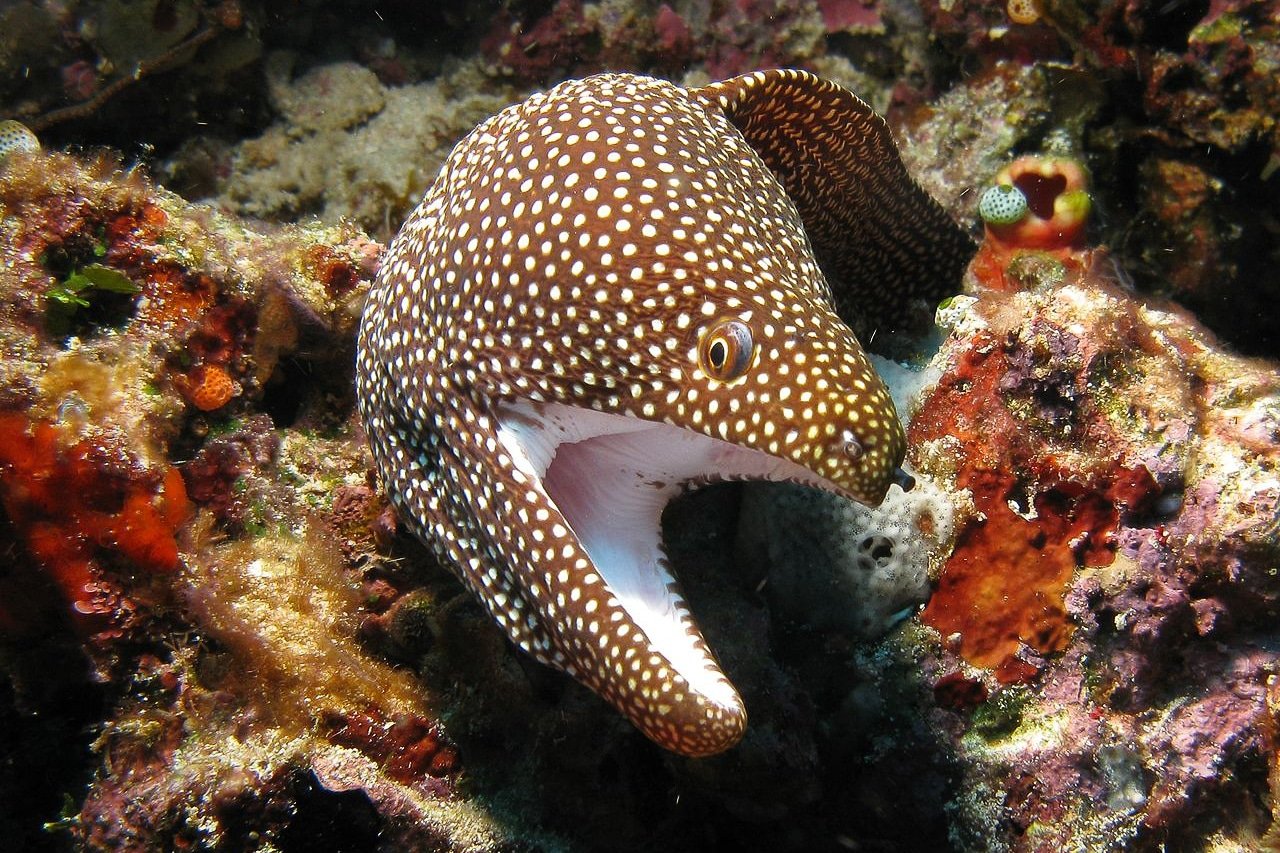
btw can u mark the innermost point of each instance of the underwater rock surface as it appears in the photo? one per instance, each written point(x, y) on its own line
point(214, 636)
point(170, 576)
point(1108, 610)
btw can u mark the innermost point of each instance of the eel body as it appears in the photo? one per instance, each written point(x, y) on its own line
point(615, 291)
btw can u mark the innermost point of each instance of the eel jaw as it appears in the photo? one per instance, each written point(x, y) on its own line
point(611, 477)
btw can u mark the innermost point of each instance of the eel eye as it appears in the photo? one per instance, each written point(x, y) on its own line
point(726, 350)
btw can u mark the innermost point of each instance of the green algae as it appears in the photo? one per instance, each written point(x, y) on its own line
point(1001, 715)
point(71, 301)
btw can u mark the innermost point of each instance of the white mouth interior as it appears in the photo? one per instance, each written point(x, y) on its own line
point(611, 477)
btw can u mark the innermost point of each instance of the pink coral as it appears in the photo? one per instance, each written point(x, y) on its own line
point(838, 15)
point(543, 50)
point(674, 38)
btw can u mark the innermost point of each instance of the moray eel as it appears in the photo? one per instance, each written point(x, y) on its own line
point(614, 291)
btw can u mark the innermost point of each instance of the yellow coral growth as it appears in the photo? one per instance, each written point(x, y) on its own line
point(1023, 11)
point(282, 604)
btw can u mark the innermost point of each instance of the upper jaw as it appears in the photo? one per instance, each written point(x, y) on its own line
point(674, 456)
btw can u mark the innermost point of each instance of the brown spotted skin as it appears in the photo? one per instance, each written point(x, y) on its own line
point(881, 240)
point(576, 249)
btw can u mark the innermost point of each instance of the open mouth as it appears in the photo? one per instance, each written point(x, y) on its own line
point(611, 476)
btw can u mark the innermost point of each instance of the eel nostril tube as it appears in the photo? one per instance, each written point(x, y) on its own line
point(850, 445)
point(903, 479)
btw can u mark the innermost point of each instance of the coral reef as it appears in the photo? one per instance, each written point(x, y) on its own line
point(955, 144)
point(538, 45)
point(348, 148)
point(1178, 127)
point(214, 634)
point(159, 544)
point(1197, 191)
point(121, 44)
point(1122, 464)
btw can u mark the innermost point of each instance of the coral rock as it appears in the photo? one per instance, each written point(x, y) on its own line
point(1122, 466)
point(74, 506)
point(834, 565)
point(208, 387)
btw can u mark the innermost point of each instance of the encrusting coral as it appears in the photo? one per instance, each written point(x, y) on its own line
point(349, 148)
point(1122, 465)
point(122, 548)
